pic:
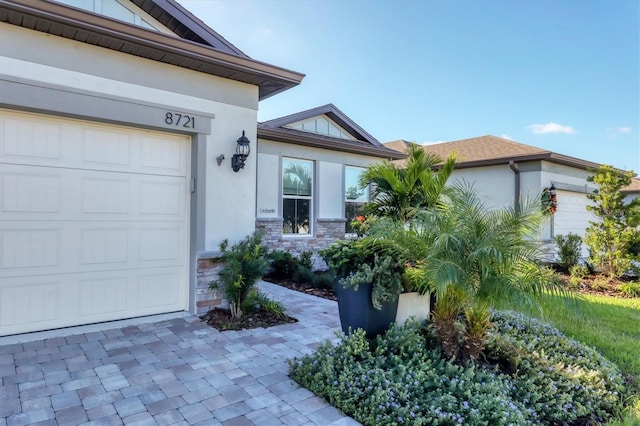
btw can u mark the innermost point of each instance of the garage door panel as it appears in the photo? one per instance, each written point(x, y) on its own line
point(90, 229)
point(37, 140)
point(24, 138)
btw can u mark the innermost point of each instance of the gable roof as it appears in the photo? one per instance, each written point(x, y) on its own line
point(363, 142)
point(195, 46)
point(492, 150)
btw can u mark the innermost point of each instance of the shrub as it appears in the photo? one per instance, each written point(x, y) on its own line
point(600, 283)
point(268, 304)
point(305, 260)
point(303, 275)
point(283, 264)
point(324, 280)
point(245, 264)
point(569, 249)
point(630, 289)
point(577, 274)
point(399, 379)
point(560, 379)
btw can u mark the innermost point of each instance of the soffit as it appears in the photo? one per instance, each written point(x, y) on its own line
point(63, 21)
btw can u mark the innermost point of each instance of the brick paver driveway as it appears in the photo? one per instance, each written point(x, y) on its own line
point(176, 371)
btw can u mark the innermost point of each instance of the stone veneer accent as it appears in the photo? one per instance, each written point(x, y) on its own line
point(209, 266)
point(326, 232)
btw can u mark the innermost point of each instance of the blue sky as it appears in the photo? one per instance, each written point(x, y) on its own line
point(562, 75)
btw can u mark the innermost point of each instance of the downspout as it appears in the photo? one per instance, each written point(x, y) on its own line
point(516, 171)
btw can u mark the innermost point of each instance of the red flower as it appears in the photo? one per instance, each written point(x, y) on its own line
point(360, 218)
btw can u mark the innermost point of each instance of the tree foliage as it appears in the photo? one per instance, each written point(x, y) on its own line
point(400, 191)
point(610, 238)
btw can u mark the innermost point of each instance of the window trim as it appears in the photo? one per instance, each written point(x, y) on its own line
point(344, 196)
point(311, 197)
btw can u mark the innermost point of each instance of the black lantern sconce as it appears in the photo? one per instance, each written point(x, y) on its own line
point(242, 152)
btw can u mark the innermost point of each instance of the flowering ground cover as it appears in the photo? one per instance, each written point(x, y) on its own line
point(531, 374)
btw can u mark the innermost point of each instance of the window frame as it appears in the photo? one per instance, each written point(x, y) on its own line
point(310, 198)
point(367, 192)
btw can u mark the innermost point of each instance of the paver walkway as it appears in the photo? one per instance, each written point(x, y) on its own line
point(176, 371)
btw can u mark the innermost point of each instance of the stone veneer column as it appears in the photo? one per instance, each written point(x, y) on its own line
point(209, 266)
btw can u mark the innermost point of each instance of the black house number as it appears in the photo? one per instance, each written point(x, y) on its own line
point(180, 120)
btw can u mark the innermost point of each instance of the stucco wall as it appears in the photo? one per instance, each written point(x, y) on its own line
point(328, 197)
point(495, 184)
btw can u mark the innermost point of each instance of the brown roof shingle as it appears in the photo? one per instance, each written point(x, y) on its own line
point(491, 150)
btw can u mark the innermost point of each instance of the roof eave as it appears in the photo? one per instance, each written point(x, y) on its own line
point(326, 143)
point(57, 19)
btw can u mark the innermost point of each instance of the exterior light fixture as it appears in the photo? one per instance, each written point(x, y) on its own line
point(550, 200)
point(242, 152)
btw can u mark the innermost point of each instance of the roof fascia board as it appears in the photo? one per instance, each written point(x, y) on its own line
point(58, 14)
point(326, 143)
point(332, 112)
point(189, 20)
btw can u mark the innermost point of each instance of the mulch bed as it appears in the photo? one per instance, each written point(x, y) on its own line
point(221, 320)
point(325, 293)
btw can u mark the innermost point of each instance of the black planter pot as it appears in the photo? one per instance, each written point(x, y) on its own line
point(356, 311)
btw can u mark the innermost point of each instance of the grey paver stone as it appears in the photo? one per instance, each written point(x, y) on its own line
point(107, 370)
point(140, 419)
point(111, 420)
point(101, 399)
point(39, 391)
point(262, 401)
point(174, 388)
point(129, 406)
point(200, 394)
point(36, 403)
point(170, 417)
point(101, 411)
point(153, 396)
point(238, 421)
point(165, 404)
point(9, 407)
point(345, 421)
point(194, 413)
point(57, 377)
point(310, 405)
point(325, 415)
point(80, 383)
point(65, 400)
point(263, 418)
point(30, 417)
point(234, 394)
point(215, 402)
point(30, 385)
point(115, 382)
point(71, 416)
point(231, 411)
point(296, 395)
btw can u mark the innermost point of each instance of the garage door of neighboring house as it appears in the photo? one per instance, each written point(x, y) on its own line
point(93, 222)
point(572, 215)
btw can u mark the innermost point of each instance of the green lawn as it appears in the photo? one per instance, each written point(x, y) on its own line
point(612, 326)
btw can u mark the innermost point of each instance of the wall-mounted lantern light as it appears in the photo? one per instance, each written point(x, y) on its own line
point(242, 152)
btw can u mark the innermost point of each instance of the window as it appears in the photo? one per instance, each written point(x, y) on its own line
point(354, 197)
point(297, 184)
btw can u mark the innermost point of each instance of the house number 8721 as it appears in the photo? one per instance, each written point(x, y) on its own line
point(180, 120)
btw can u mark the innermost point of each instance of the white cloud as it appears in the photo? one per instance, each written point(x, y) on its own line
point(431, 142)
point(614, 131)
point(551, 128)
point(506, 137)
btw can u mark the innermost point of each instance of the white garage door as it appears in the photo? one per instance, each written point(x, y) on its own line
point(93, 222)
point(572, 215)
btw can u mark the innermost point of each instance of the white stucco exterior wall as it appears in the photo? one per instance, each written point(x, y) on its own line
point(495, 184)
point(43, 60)
point(328, 176)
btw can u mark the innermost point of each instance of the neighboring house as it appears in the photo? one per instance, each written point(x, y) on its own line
point(505, 171)
point(111, 121)
point(631, 191)
point(309, 164)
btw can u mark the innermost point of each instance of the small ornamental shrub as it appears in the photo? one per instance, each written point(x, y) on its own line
point(569, 249)
point(245, 264)
point(324, 280)
point(630, 289)
point(531, 374)
point(283, 264)
point(303, 275)
point(600, 283)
